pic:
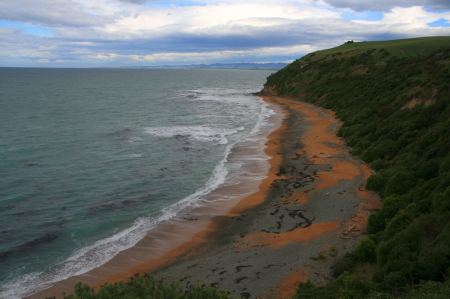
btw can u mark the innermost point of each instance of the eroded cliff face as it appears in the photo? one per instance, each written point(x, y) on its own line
point(269, 90)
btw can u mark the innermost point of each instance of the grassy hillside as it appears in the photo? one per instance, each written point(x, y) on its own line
point(394, 100)
point(401, 48)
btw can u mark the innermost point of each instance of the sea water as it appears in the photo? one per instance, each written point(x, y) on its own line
point(93, 159)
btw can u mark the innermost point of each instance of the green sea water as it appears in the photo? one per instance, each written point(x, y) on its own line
point(92, 159)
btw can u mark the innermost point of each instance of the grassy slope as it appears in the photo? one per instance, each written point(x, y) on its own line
point(402, 48)
point(394, 99)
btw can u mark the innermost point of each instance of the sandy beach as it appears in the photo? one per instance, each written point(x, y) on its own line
point(268, 235)
point(314, 211)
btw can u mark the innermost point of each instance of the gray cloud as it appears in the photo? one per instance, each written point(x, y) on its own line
point(306, 32)
point(49, 12)
point(80, 38)
point(384, 5)
point(73, 51)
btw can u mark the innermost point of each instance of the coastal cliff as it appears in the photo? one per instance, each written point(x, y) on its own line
point(394, 100)
point(359, 120)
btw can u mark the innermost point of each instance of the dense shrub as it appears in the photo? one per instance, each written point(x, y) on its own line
point(445, 165)
point(366, 251)
point(346, 286)
point(145, 287)
point(376, 223)
point(441, 201)
point(430, 290)
point(376, 182)
point(409, 148)
point(400, 183)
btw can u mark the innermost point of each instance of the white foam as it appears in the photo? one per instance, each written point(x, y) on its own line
point(265, 113)
point(216, 94)
point(104, 250)
point(134, 139)
point(199, 133)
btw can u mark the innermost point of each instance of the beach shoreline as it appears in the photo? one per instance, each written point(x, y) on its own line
point(176, 236)
point(315, 210)
point(311, 202)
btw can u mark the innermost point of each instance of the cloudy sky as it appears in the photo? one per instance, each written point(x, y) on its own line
point(82, 33)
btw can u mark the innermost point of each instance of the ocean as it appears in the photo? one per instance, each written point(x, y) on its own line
point(91, 160)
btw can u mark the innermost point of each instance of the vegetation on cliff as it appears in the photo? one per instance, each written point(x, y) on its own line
point(146, 287)
point(394, 100)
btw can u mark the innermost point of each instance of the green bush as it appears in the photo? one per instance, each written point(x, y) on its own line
point(408, 147)
point(145, 287)
point(400, 183)
point(441, 201)
point(376, 223)
point(345, 264)
point(428, 169)
point(309, 291)
point(430, 290)
point(445, 165)
point(346, 286)
point(366, 251)
point(376, 182)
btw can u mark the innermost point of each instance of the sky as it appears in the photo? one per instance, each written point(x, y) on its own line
point(117, 33)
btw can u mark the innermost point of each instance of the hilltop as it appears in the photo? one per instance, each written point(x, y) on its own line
point(401, 48)
point(394, 100)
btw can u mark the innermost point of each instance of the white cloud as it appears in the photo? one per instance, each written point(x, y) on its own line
point(53, 12)
point(127, 30)
point(386, 5)
point(409, 21)
point(200, 56)
point(215, 18)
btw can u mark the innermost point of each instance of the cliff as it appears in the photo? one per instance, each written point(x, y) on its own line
point(394, 100)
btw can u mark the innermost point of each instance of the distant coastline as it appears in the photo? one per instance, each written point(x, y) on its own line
point(215, 66)
point(238, 66)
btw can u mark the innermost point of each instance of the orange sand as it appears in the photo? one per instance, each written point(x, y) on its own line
point(317, 140)
point(341, 170)
point(321, 146)
point(299, 197)
point(276, 241)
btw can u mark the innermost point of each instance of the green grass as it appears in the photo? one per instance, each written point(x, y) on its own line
point(394, 100)
point(401, 48)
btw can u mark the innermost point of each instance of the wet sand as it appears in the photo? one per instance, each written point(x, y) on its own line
point(311, 203)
